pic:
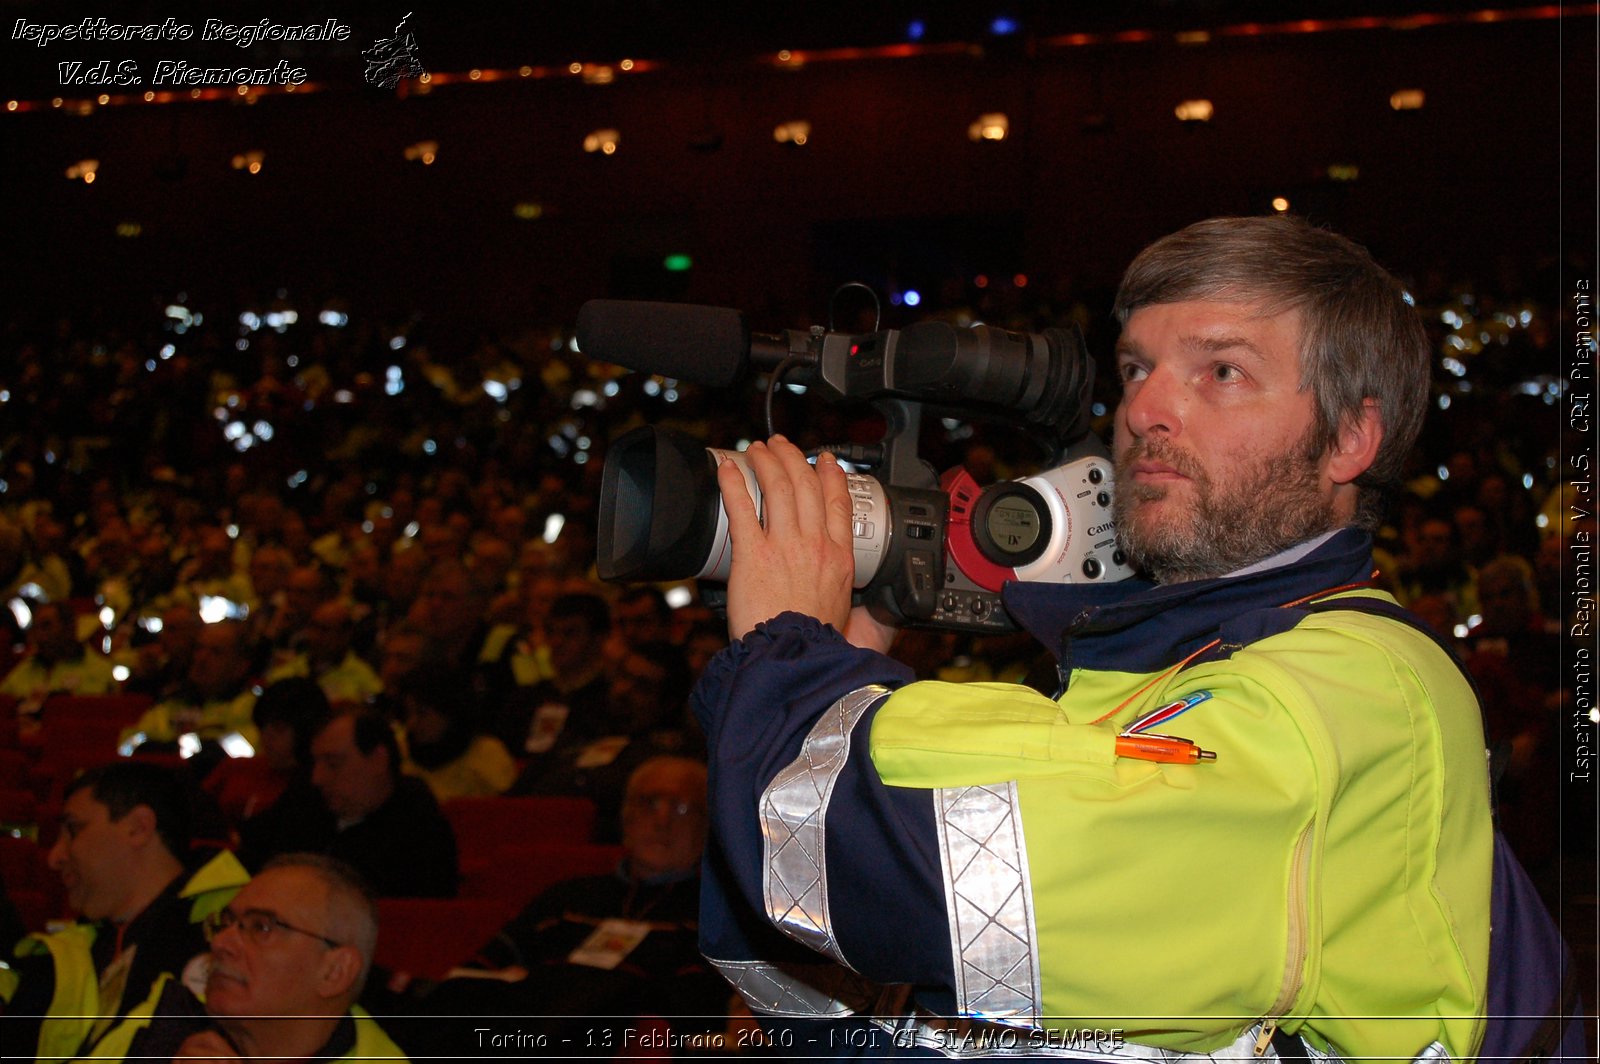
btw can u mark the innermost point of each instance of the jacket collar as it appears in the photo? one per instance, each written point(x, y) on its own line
point(1136, 626)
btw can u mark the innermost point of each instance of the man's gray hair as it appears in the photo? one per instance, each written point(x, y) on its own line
point(352, 906)
point(1362, 338)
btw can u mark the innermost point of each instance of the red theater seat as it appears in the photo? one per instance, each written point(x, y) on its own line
point(429, 936)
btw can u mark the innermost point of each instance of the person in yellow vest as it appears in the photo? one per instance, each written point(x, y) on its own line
point(121, 855)
point(214, 702)
point(289, 957)
point(56, 663)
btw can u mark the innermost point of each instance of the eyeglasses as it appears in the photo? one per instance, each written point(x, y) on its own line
point(656, 804)
point(257, 925)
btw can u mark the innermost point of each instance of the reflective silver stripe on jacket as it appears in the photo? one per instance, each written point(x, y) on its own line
point(962, 1038)
point(799, 990)
point(989, 901)
point(794, 812)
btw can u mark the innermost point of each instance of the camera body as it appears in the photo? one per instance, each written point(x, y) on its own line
point(930, 551)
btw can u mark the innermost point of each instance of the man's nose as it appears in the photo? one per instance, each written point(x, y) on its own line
point(225, 941)
point(57, 858)
point(1154, 405)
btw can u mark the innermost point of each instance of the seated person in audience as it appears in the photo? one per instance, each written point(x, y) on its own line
point(1514, 655)
point(43, 566)
point(624, 944)
point(288, 960)
point(450, 609)
point(210, 571)
point(286, 715)
point(646, 696)
point(215, 701)
point(160, 655)
point(307, 588)
point(1433, 565)
point(573, 704)
point(366, 813)
point(706, 639)
point(443, 746)
point(640, 615)
point(56, 663)
point(124, 856)
point(326, 656)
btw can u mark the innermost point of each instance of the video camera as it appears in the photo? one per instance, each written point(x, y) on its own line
point(930, 551)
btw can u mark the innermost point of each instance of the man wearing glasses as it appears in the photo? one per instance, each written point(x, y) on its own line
point(289, 957)
point(124, 857)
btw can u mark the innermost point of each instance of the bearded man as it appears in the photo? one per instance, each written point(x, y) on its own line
point(959, 867)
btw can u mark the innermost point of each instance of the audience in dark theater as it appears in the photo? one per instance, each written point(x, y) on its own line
point(622, 944)
point(315, 585)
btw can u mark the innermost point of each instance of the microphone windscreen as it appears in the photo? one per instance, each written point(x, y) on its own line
point(706, 345)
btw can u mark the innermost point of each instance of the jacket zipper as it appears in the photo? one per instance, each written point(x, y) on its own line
point(1299, 877)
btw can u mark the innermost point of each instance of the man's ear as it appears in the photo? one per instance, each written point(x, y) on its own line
point(1356, 445)
point(341, 966)
point(140, 825)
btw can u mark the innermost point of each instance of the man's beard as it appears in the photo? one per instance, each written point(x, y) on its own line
point(1267, 505)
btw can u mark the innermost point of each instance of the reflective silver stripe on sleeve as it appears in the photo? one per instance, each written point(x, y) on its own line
point(794, 812)
point(799, 990)
point(989, 901)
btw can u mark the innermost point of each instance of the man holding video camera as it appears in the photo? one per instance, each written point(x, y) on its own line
point(975, 866)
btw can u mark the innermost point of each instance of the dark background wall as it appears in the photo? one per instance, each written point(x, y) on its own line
point(889, 189)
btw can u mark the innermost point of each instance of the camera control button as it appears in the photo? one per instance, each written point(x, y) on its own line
point(1096, 475)
point(1092, 568)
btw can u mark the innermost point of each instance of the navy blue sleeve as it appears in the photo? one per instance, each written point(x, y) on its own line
point(758, 701)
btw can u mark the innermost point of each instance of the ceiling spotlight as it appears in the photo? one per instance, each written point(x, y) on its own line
point(992, 126)
point(250, 160)
point(1407, 100)
point(423, 151)
point(795, 134)
point(1193, 111)
point(83, 170)
point(604, 141)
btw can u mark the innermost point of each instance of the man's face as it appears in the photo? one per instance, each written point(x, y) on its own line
point(1435, 542)
point(303, 593)
point(635, 691)
point(91, 856)
point(445, 604)
point(352, 784)
point(327, 633)
point(574, 647)
point(275, 973)
point(219, 662)
point(1504, 602)
point(664, 820)
point(1213, 439)
point(403, 653)
point(636, 621)
point(269, 571)
point(52, 634)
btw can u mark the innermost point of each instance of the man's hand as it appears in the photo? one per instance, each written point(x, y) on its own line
point(803, 559)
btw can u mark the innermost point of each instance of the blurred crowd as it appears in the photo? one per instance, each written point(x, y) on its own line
point(364, 552)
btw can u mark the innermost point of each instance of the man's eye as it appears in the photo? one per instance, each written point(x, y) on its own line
point(1224, 372)
point(1130, 371)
